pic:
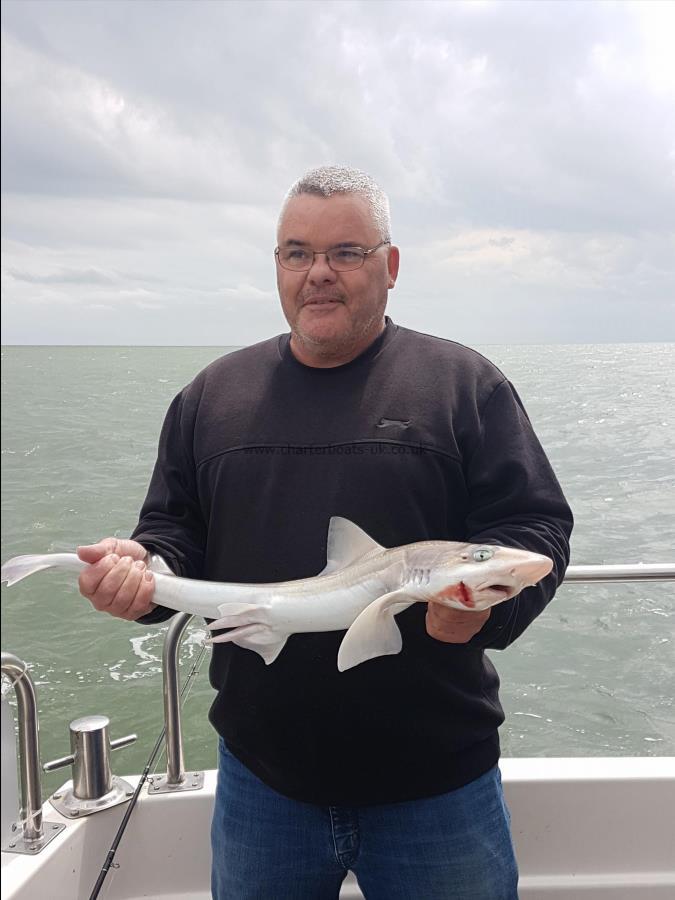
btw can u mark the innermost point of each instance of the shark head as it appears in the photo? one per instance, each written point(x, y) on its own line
point(481, 575)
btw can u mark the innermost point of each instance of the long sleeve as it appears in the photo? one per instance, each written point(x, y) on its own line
point(171, 521)
point(515, 500)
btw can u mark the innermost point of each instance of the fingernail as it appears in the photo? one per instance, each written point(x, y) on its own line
point(139, 564)
point(127, 560)
point(114, 557)
point(148, 576)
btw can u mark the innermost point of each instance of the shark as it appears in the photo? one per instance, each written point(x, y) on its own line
point(360, 591)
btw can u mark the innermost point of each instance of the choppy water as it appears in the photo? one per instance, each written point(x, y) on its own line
point(593, 676)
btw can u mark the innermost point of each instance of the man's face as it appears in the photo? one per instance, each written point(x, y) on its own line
point(334, 316)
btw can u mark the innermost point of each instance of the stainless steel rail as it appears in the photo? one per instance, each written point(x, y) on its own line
point(620, 573)
point(175, 767)
point(29, 747)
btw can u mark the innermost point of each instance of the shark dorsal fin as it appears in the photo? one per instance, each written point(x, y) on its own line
point(346, 544)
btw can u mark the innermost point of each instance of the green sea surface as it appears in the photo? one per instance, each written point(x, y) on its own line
point(594, 675)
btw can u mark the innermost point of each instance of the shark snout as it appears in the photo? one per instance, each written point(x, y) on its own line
point(534, 570)
point(507, 583)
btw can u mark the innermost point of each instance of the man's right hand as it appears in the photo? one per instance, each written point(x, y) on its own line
point(117, 580)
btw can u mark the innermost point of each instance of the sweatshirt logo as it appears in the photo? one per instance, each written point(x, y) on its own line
point(388, 423)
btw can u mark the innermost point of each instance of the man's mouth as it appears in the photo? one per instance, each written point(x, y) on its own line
point(319, 300)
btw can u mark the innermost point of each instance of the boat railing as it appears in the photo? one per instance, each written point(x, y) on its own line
point(620, 573)
point(175, 766)
point(29, 752)
point(175, 778)
point(32, 838)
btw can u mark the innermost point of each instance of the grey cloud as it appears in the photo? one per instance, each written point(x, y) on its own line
point(64, 276)
point(265, 90)
point(502, 241)
point(524, 139)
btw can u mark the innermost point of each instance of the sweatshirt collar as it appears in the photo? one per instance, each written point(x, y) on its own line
point(371, 351)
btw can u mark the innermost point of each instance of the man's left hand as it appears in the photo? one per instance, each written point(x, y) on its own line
point(454, 626)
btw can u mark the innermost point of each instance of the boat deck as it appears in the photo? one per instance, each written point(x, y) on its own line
point(583, 828)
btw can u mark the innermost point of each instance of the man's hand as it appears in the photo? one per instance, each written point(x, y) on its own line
point(454, 626)
point(117, 580)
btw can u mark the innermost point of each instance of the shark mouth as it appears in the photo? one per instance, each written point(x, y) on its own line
point(479, 597)
point(491, 594)
point(503, 589)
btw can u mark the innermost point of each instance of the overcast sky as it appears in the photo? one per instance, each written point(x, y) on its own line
point(528, 150)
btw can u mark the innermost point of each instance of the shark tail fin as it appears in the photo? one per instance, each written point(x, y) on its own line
point(374, 632)
point(20, 567)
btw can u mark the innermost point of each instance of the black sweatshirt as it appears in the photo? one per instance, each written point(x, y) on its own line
point(417, 439)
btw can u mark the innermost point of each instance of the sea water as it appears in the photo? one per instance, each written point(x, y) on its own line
point(593, 676)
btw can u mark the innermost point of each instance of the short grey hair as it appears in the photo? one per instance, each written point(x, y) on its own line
point(327, 180)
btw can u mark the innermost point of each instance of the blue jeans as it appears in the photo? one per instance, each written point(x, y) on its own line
point(455, 846)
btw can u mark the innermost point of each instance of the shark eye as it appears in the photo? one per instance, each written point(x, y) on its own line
point(482, 554)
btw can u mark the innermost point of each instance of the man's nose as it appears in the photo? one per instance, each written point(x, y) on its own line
point(320, 271)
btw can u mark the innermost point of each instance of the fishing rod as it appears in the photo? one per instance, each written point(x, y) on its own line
point(110, 856)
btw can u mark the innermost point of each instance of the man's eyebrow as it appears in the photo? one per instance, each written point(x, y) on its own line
point(293, 242)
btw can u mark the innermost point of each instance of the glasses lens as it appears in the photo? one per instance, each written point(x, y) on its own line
point(295, 258)
point(342, 259)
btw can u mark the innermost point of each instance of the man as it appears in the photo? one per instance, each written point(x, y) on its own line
point(388, 769)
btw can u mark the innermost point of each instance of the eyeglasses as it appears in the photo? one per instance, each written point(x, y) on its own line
point(340, 259)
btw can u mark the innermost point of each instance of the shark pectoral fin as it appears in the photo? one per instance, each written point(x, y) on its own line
point(260, 638)
point(374, 632)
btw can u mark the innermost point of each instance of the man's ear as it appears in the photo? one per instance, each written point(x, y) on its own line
point(392, 265)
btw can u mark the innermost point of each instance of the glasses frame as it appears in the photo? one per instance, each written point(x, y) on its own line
point(325, 252)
